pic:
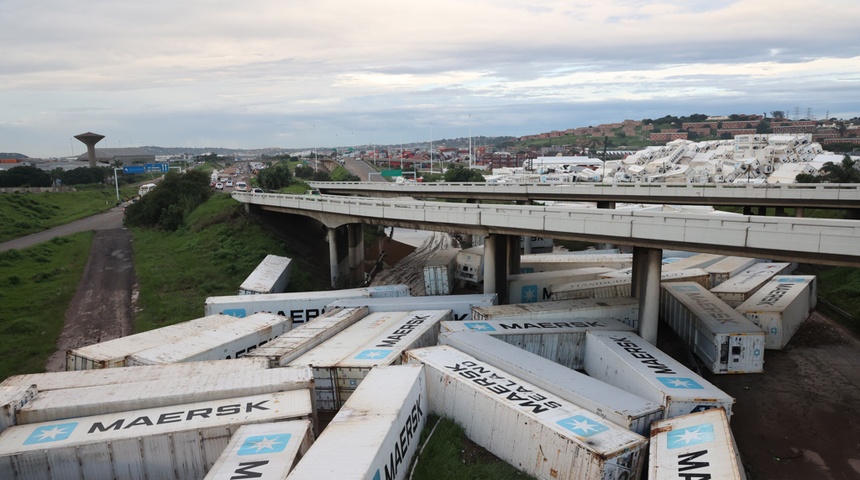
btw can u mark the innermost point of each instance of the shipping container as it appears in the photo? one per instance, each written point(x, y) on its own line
point(112, 353)
point(470, 265)
point(460, 305)
point(177, 442)
point(231, 340)
point(728, 268)
point(537, 244)
point(725, 340)
point(688, 275)
point(300, 340)
point(600, 288)
point(700, 260)
point(625, 309)
point(630, 363)
point(608, 402)
point(537, 287)
point(53, 405)
point(12, 399)
point(533, 430)
point(560, 341)
point(545, 262)
point(780, 307)
point(263, 450)
point(299, 306)
point(737, 289)
point(376, 433)
point(439, 271)
point(695, 446)
point(272, 275)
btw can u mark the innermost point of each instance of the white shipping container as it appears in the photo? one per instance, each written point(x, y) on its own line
point(12, 399)
point(470, 265)
point(622, 408)
point(700, 260)
point(728, 268)
point(600, 288)
point(177, 442)
point(460, 305)
point(535, 431)
point(630, 363)
point(625, 309)
point(263, 450)
point(112, 353)
point(780, 307)
point(725, 340)
point(687, 275)
point(538, 244)
point(300, 340)
point(272, 275)
point(85, 401)
point(561, 341)
point(299, 306)
point(439, 271)
point(231, 340)
point(737, 289)
point(537, 287)
point(544, 262)
point(375, 434)
point(695, 446)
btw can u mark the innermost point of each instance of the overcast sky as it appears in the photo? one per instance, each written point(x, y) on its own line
point(265, 73)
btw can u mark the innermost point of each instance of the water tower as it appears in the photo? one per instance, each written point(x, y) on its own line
point(90, 139)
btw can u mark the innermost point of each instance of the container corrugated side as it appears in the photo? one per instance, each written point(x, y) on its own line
point(780, 307)
point(439, 272)
point(728, 268)
point(625, 309)
point(700, 260)
point(600, 288)
point(562, 342)
point(695, 446)
point(263, 450)
point(272, 275)
point(537, 287)
point(84, 401)
point(544, 262)
point(739, 288)
point(719, 335)
point(622, 408)
point(12, 399)
point(300, 340)
point(113, 353)
point(687, 275)
point(530, 428)
point(177, 442)
point(460, 305)
point(375, 434)
point(630, 363)
point(232, 340)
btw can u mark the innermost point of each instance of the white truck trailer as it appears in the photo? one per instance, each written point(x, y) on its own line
point(439, 272)
point(544, 262)
point(780, 307)
point(737, 289)
point(625, 309)
point(460, 305)
point(263, 450)
point(272, 275)
point(537, 287)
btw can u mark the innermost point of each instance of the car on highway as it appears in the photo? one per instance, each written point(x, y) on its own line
point(219, 186)
point(229, 183)
point(257, 190)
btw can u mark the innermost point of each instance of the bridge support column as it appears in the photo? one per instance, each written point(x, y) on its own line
point(513, 260)
point(355, 237)
point(527, 244)
point(332, 255)
point(646, 287)
point(798, 212)
point(495, 268)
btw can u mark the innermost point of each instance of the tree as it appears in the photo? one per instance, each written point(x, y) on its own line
point(25, 176)
point(461, 174)
point(167, 204)
point(777, 114)
point(275, 177)
point(844, 172)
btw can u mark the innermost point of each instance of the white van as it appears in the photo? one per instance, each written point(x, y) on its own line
point(241, 186)
point(144, 189)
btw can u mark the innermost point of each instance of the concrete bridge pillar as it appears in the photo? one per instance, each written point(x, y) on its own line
point(332, 255)
point(355, 240)
point(646, 287)
point(495, 266)
point(527, 244)
point(513, 257)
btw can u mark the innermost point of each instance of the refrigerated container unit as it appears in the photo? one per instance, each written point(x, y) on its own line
point(725, 340)
point(780, 307)
point(695, 446)
point(470, 265)
point(13, 398)
point(630, 411)
point(375, 434)
point(628, 362)
point(687, 275)
point(112, 353)
point(179, 442)
point(460, 305)
point(272, 275)
point(530, 428)
point(439, 271)
point(600, 288)
point(538, 244)
point(537, 287)
point(300, 340)
point(728, 268)
point(737, 289)
point(545, 262)
point(561, 341)
point(699, 260)
point(299, 306)
point(231, 340)
point(263, 450)
point(625, 309)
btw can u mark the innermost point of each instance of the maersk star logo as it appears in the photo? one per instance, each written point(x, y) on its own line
point(373, 354)
point(479, 326)
point(529, 294)
point(51, 433)
point(691, 436)
point(260, 444)
point(582, 426)
point(680, 382)
point(235, 312)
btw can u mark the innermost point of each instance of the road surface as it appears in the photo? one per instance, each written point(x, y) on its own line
point(109, 220)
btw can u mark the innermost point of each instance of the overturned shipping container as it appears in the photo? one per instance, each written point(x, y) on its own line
point(737, 289)
point(780, 307)
point(272, 275)
point(263, 450)
point(460, 305)
point(537, 287)
point(625, 309)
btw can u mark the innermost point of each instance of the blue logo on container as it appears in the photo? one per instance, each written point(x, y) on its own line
point(529, 294)
point(774, 330)
point(235, 312)
point(377, 476)
point(527, 270)
point(373, 354)
point(756, 352)
point(582, 426)
point(51, 433)
point(259, 444)
point(790, 280)
point(690, 436)
point(680, 382)
point(479, 326)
